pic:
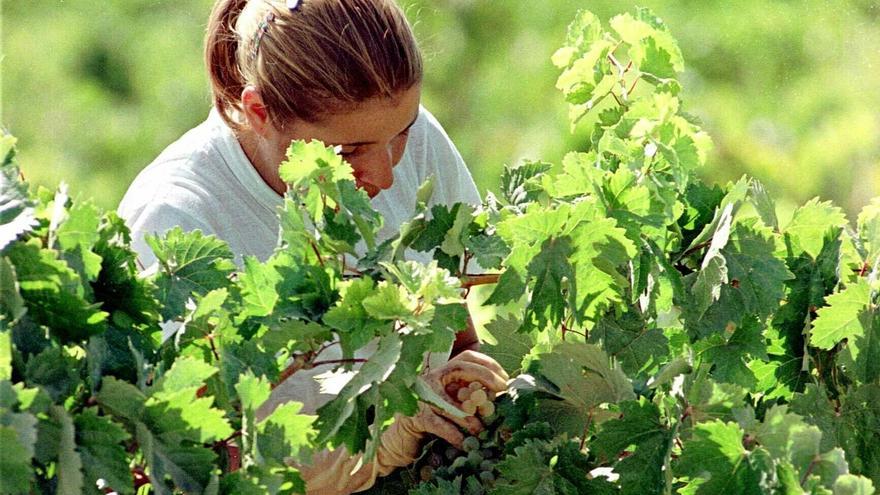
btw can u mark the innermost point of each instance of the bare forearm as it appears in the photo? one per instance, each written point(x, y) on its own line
point(466, 340)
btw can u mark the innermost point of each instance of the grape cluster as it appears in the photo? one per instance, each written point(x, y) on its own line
point(473, 465)
point(473, 398)
point(471, 469)
point(474, 462)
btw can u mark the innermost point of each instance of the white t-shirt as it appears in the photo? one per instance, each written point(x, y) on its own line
point(205, 181)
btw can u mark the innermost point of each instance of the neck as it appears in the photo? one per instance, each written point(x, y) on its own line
point(262, 159)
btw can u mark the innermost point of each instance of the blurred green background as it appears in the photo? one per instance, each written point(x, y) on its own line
point(789, 90)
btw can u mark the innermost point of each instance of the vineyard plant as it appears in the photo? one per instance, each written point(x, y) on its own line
point(663, 335)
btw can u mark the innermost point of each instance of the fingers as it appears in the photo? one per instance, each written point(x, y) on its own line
point(469, 423)
point(439, 426)
point(483, 360)
point(464, 370)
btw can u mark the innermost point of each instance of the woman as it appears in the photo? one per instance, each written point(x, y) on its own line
point(346, 72)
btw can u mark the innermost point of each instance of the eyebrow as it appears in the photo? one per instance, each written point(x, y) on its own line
point(363, 143)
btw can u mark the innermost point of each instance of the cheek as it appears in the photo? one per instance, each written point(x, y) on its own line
point(398, 147)
point(359, 165)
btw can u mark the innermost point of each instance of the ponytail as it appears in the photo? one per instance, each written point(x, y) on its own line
point(221, 57)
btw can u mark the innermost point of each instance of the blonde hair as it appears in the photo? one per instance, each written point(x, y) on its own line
point(325, 56)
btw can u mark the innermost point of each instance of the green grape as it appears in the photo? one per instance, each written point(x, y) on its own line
point(451, 453)
point(426, 473)
point(470, 443)
point(483, 436)
point(487, 465)
point(435, 460)
point(488, 453)
point(487, 477)
point(474, 458)
point(459, 462)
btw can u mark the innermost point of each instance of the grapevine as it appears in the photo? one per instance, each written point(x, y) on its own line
point(664, 335)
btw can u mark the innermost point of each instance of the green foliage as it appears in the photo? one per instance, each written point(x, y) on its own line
point(666, 337)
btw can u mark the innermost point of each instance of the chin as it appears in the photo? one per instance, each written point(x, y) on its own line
point(372, 191)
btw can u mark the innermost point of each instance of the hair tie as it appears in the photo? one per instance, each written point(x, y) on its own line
point(263, 27)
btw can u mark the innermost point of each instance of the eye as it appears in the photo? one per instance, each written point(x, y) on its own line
point(348, 153)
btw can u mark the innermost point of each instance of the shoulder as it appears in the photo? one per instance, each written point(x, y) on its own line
point(178, 188)
point(183, 176)
point(428, 131)
point(433, 153)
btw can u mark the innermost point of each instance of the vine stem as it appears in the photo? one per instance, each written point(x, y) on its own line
point(210, 337)
point(297, 365)
point(325, 347)
point(339, 361)
point(301, 361)
point(468, 281)
point(631, 88)
point(809, 470)
point(465, 261)
point(586, 430)
point(667, 459)
point(317, 253)
point(621, 70)
point(695, 249)
point(140, 477)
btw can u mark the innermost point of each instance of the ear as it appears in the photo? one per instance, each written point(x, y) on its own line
point(255, 111)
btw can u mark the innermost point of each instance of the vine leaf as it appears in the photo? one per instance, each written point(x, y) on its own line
point(11, 303)
point(850, 484)
point(642, 435)
point(554, 287)
point(258, 281)
point(100, 442)
point(189, 263)
point(489, 250)
point(17, 215)
point(15, 462)
point(729, 352)
point(810, 223)
point(715, 461)
point(70, 475)
point(840, 319)
point(333, 415)
point(76, 237)
point(632, 341)
point(170, 443)
point(54, 293)
point(584, 376)
point(511, 345)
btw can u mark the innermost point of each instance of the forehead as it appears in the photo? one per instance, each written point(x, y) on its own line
point(374, 121)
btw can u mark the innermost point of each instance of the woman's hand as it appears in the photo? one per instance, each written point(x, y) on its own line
point(331, 472)
point(466, 367)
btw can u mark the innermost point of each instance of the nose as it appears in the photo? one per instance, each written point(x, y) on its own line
point(380, 171)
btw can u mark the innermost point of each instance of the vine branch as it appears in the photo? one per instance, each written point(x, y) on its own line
point(339, 361)
point(468, 281)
